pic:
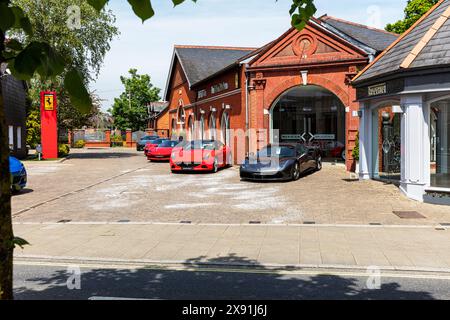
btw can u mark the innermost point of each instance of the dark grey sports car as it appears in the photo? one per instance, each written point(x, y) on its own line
point(281, 162)
point(140, 145)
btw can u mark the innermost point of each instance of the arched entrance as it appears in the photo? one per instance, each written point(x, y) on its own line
point(311, 115)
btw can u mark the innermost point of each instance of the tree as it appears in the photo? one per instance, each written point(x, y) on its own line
point(85, 44)
point(130, 109)
point(414, 10)
point(39, 57)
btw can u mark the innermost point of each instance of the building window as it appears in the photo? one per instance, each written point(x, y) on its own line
point(19, 137)
point(202, 128)
point(236, 80)
point(202, 94)
point(219, 87)
point(11, 137)
point(212, 127)
point(440, 144)
point(225, 128)
point(386, 144)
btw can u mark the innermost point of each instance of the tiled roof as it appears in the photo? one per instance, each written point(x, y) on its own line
point(201, 62)
point(432, 51)
point(374, 38)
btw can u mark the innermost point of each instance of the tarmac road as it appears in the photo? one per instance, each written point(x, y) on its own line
point(49, 282)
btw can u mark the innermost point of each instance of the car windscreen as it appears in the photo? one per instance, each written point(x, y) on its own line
point(148, 138)
point(277, 151)
point(198, 145)
point(168, 144)
point(158, 141)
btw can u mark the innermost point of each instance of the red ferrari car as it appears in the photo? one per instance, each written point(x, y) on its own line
point(153, 144)
point(201, 156)
point(162, 151)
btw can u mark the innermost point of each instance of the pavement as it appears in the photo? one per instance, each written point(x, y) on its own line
point(348, 247)
point(112, 206)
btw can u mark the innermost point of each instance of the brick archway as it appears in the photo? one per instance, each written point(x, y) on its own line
point(317, 80)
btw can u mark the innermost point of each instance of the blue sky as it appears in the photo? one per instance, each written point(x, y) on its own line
point(148, 47)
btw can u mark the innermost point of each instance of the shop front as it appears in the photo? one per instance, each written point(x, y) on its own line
point(405, 112)
point(313, 116)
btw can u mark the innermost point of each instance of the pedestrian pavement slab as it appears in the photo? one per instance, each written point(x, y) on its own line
point(360, 246)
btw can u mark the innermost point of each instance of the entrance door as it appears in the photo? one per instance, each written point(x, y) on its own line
point(312, 116)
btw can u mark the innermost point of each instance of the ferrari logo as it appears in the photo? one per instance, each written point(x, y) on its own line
point(49, 102)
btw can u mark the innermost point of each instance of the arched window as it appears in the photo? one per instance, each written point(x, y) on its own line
point(225, 128)
point(212, 127)
point(174, 127)
point(202, 128)
point(181, 114)
point(191, 128)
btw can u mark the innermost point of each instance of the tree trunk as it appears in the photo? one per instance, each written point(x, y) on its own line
point(6, 232)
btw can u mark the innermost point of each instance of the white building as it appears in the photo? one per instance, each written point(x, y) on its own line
point(404, 100)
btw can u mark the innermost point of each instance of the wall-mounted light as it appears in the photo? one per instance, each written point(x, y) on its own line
point(202, 111)
point(213, 109)
point(227, 107)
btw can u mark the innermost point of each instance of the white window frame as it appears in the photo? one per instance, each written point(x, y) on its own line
point(19, 137)
point(11, 136)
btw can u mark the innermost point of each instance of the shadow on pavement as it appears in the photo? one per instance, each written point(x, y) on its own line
point(22, 192)
point(256, 283)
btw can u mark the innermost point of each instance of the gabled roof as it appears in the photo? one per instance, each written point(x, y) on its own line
point(374, 38)
point(425, 44)
point(201, 62)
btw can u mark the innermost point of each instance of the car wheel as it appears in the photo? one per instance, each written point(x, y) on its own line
point(216, 166)
point(343, 155)
point(296, 171)
point(319, 164)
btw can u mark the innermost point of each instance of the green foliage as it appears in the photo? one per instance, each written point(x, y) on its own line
point(79, 144)
point(130, 109)
point(355, 152)
point(63, 150)
point(116, 138)
point(414, 10)
point(33, 128)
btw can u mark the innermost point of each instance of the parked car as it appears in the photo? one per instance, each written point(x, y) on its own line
point(281, 162)
point(207, 155)
point(162, 151)
point(153, 144)
point(337, 150)
point(140, 145)
point(18, 175)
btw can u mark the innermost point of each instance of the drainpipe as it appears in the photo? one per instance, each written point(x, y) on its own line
point(247, 109)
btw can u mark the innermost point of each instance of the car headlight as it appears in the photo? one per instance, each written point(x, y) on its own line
point(173, 156)
point(206, 157)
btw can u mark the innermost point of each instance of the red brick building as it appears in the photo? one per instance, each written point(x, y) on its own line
point(296, 88)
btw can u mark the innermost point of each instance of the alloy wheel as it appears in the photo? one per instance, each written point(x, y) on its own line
point(319, 164)
point(296, 172)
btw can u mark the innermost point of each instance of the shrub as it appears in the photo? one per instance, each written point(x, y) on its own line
point(116, 138)
point(79, 144)
point(63, 150)
point(355, 152)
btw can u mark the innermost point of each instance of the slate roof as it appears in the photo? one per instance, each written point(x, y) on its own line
point(374, 38)
point(435, 53)
point(200, 63)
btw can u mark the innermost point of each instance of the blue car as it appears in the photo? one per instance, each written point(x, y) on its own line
point(18, 174)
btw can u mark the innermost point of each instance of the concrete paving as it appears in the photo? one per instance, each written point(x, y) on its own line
point(389, 248)
point(110, 185)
